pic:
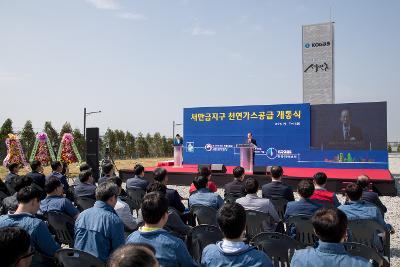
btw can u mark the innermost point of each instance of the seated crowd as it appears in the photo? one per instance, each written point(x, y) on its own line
point(115, 234)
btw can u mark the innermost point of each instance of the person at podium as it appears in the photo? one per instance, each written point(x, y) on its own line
point(251, 140)
point(178, 140)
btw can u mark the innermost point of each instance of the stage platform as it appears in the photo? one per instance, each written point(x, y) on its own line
point(381, 179)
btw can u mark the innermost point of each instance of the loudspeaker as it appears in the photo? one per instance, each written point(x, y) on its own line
point(260, 170)
point(92, 151)
point(218, 168)
point(200, 166)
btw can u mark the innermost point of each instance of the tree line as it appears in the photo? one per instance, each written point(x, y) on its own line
point(120, 144)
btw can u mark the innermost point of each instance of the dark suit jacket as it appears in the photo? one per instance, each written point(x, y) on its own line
point(373, 198)
point(175, 200)
point(137, 182)
point(235, 189)
point(278, 190)
point(355, 133)
point(37, 178)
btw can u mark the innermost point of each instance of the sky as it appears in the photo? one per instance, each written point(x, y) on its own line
point(142, 62)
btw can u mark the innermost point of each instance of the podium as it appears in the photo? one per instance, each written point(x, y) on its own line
point(246, 156)
point(178, 156)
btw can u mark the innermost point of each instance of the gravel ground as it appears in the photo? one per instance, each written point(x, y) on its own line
point(392, 204)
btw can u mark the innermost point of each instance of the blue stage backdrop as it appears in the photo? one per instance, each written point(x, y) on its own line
point(283, 134)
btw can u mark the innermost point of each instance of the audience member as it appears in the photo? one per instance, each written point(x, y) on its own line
point(36, 174)
point(321, 194)
point(83, 167)
point(133, 255)
point(356, 209)
point(10, 178)
point(252, 202)
point(108, 172)
point(276, 188)
point(175, 200)
point(206, 172)
point(138, 180)
point(85, 188)
point(55, 200)
point(10, 204)
point(170, 250)
point(203, 196)
point(174, 223)
point(57, 169)
point(122, 208)
point(304, 206)
point(232, 251)
point(236, 188)
point(99, 230)
point(330, 226)
point(3, 190)
point(24, 217)
point(369, 195)
point(15, 247)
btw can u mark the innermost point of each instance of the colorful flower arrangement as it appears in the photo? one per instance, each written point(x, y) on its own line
point(42, 150)
point(68, 152)
point(15, 153)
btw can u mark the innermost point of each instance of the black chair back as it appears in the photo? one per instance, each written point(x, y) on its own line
point(280, 205)
point(258, 222)
point(371, 234)
point(203, 215)
point(84, 203)
point(304, 229)
point(201, 236)
point(230, 198)
point(361, 250)
point(62, 226)
point(279, 247)
point(74, 257)
point(135, 198)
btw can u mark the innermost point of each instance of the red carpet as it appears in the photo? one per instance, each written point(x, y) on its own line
point(374, 174)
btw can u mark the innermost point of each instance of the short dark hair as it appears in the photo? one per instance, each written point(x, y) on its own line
point(276, 171)
point(320, 178)
point(205, 171)
point(330, 224)
point(154, 206)
point(133, 255)
point(200, 182)
point(354, 191)
point(35, 164)
point(160, 174)
point(107, 168)
point(106, 190)
point(84, 167)
point(363, 181)
point(84, 176)
point(12, 166)
point(231, 219)
point(138, 169)
point(116, 180)
point(305, 188)
point(55, 165)
point(14, 244)
point(157, 187)
point(251, 185)
point(238, 172)
point(21, 182)
point(52, 183)
point(28, 193)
